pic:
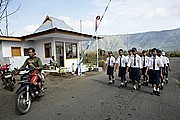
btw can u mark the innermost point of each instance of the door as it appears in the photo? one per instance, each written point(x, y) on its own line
point(16, 51)
point(60, 53)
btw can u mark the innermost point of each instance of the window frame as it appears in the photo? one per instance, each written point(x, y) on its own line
point(49, 49)
point(27, 51)
point(71, 48)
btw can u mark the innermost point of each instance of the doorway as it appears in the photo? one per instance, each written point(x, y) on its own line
point(60, 53)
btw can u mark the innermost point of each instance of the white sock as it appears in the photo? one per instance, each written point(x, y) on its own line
point(134, 86)
point(166, 78)
point(158, 89)
point(162, 84)
point(154, 88)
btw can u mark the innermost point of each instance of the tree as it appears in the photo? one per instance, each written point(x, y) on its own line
point(3, 11)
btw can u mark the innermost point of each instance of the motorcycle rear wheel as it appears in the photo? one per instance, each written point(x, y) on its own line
point(23, 106)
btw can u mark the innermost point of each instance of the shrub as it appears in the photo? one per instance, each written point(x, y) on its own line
point(102, 63)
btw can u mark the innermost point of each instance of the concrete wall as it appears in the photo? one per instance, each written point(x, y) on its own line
point(40, 51)
point(16, 62)
point(68, 62)
point(5, 50)
point(1, 58)
point(6, 47)
point(6, 55)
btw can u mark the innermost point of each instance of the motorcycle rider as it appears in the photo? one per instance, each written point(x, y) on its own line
point(33, 63)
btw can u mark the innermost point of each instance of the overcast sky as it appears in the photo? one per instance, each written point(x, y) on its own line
point(122, 16)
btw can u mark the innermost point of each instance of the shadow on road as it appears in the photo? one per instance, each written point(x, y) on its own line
point(129, 87)
point(99, 81)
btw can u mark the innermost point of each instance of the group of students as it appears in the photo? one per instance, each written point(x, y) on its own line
point(153, 67)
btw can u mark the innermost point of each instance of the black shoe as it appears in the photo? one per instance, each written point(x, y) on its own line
point(113, 81)
point(153, 93)
point(158, 93)
point(121, 85)
point(144, 83)
point(110, 83)
point(161, 88)
point(166, 81)
point(139, 86)
point(125, 84)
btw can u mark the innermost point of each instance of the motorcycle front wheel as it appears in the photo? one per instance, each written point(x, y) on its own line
point(22, 104)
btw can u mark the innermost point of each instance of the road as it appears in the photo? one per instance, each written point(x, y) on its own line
point(90, 98)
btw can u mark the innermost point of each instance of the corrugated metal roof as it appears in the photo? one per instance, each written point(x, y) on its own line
point(51, 22)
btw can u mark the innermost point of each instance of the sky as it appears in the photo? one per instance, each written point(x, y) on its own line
point(122, 16)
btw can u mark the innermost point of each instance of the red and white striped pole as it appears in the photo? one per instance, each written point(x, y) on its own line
point(97, 52)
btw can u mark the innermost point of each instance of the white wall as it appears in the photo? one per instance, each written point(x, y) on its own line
point(39, 47)
point(16, 62)
point(5, 50)
point(1, 59)
point(69, 62)
point(6, 55)
point(6, 47)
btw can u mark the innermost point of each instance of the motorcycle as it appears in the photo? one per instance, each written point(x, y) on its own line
point(27, 91)
point(7, 77)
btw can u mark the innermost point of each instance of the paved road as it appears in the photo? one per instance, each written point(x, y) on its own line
point(91, 98)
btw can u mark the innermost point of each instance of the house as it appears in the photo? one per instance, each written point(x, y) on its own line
point(53, 38)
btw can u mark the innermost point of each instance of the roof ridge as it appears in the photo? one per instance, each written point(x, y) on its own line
point(53, 23)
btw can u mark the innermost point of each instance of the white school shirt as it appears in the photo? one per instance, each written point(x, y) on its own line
point(163, 60)
point(146, 61)
point(166, 59)
point(112, 61)
point(123, 61)
point(158, 63)
point(138, 62)
point(128, 57)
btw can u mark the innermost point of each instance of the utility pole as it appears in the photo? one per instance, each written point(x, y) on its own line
point(6, 18)
point(81, 32)
point(127, 42)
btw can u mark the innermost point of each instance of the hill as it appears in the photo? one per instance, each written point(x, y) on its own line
point(168, 40)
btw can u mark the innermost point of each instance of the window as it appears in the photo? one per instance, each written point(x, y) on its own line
point(48, 51)
point(16, 51)
point(26, 52)
point(71, 50)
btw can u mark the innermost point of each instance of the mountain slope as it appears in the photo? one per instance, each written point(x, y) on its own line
point(168, 40)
